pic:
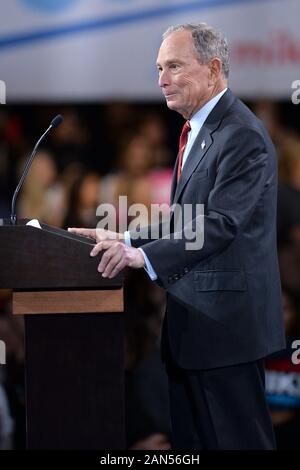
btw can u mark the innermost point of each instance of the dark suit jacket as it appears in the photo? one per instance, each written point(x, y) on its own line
point(224, 300)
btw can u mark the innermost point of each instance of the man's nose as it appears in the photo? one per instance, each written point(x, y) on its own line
point(163, 80)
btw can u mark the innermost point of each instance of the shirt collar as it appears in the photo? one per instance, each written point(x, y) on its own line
point(199, 118)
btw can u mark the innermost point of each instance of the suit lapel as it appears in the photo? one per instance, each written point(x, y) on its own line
point(194, 158)
point(201, 145)
point(174, 181)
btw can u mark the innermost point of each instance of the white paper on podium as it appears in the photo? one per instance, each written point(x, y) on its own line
point(34, 223)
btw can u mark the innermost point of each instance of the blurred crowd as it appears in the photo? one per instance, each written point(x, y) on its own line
point(98, 154)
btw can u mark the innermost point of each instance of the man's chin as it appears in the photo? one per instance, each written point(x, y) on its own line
point(172, 104)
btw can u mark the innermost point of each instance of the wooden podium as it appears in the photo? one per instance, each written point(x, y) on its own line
point(74, 364)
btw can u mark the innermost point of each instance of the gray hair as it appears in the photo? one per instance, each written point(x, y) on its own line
point(208, 42)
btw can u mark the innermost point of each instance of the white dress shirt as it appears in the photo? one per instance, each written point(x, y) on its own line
point(196, 122)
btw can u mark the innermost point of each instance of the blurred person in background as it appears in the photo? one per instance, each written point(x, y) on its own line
point(153, 128)
point(70, 141)
point(135, 163)
point(43, 195)
point(289, 199)
point(287, 144)
point(139, 177)
point(131, 178)
point(286, 141)
point(119, 119)
point(84, 199)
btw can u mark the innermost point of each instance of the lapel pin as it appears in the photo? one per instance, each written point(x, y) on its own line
point(203, 144)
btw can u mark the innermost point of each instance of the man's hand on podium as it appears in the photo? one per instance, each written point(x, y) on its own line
point(97, 234)
point(117, 255)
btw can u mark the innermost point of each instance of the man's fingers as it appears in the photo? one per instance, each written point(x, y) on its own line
point(85, 232)
point(121, 265)
point(113, 261)
point(96, 250)
point(116, 257)
point(98, 234)
point(110, 258)
point(103, 234)
point(104, 245)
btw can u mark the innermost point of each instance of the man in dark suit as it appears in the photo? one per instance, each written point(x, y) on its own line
point(224, 312)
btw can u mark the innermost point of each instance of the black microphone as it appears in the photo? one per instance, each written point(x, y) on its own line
point(54, 123)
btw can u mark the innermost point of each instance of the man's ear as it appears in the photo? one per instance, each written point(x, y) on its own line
point(215, 67)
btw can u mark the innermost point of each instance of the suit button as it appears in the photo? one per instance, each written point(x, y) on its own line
point(176, 277)
point(186, 270)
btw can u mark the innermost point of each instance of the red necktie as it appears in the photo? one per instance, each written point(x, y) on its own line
point(182, 143)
